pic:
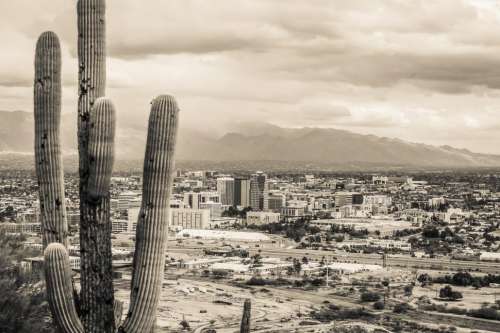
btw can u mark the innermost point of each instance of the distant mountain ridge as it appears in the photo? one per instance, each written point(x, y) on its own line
point(259, 142)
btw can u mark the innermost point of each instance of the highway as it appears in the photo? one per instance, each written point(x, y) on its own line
point(397, 261)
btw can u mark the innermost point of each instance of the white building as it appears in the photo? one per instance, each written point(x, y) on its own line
point(189, 218)
point(195, 199)
point(348, 268)
point(223, 235)
point(21, 228)
point(377, 200)
point(120, 226)
point(262, 218)
point(215, 208)
point(489, 256)
point(386, 244)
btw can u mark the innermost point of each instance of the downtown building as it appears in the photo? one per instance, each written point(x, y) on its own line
point(225, 188)
point(178, 218)
point(187, 218)
point(348, 199)
point(242, 192)
point(274, 201)
point(258, 188)
point(195, 200)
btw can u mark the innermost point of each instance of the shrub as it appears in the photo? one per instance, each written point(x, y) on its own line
point(401, 308)
point(370, 297)
point(378, 305)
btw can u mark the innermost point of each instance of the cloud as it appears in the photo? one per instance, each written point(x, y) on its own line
point(323, 112)
point(419, 70)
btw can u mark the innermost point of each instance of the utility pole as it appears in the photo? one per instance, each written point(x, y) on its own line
point(327, 274)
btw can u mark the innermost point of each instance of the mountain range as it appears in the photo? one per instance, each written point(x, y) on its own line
point(258, 142)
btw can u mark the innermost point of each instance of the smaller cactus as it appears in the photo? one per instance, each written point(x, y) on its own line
point(245, 320)
point(60, 289)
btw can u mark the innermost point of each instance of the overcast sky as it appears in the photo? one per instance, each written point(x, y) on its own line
point(420, 70)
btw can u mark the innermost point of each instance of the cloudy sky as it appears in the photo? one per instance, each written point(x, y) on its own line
point(420, 70)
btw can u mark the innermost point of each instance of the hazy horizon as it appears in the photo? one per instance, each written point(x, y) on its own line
point(424, 72)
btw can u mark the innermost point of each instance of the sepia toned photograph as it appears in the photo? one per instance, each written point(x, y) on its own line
point(250, 166)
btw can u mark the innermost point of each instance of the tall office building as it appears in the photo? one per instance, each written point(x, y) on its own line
point(258, 186)
point(242, 192)
point(225, 188)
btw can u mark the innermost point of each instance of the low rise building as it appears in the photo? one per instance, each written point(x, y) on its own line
point(259, 218)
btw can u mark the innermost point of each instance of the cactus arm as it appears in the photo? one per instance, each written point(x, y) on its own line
point(96, 306)
point(151, 235)
point(60, 289)
point(101, 149)
point(48, 160)
point(245, 320)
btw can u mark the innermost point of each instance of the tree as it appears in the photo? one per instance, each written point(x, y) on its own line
point(297, 266)
point(450, 294)
point(430, 232)
point(257, 260)
point(22, 302)
point(185, 325)
point(424, 279)
point(408, 290)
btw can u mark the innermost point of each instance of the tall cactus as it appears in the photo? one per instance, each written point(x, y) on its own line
point(48, 161)
point(149, 257)
point(245, 320)
point(97, 310)
point(95, 228)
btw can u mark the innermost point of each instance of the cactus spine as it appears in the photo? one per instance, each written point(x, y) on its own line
point(98, 312)
point(95, 228)
point(151, 234)
point(48, 161)
point(245, 320)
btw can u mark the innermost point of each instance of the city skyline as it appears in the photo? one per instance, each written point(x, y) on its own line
point(418, 71)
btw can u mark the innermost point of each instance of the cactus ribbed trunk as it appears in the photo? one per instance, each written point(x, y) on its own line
point(48, 160)
point(96, 308)
point(60, 289)
point(245, 320)
point(151, 235)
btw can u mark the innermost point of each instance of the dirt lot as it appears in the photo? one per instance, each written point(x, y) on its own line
point(202, 302)
point(473, 298)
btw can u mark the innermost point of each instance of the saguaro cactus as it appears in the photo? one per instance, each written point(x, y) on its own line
point(96, 130)
point(245, 320)
point(95, 228)
point(149, 257)
point(48, 161)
